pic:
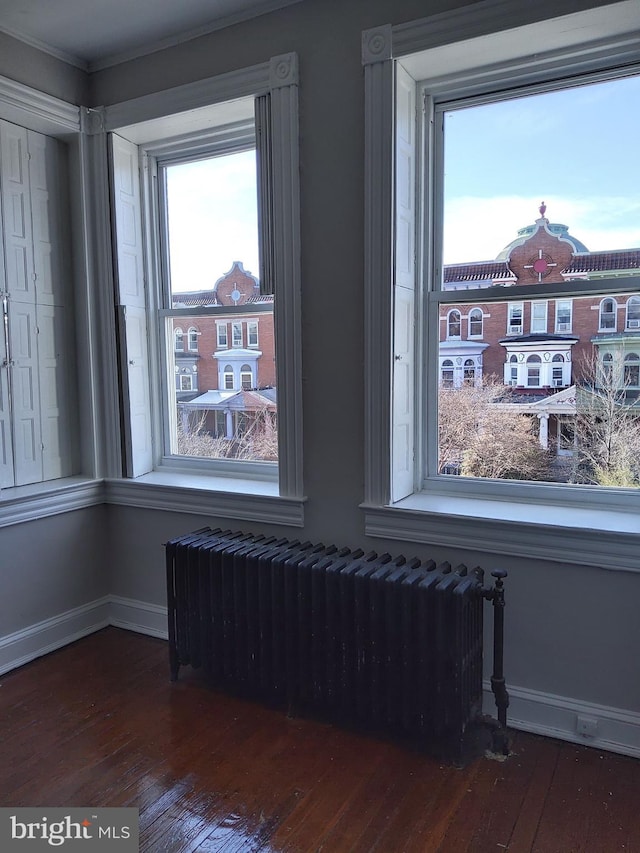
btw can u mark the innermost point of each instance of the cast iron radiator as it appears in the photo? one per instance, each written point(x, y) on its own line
point(365, 640)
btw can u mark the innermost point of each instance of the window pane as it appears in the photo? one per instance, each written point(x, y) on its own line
point(223, 403)
point(550, 368)
point(529, 388)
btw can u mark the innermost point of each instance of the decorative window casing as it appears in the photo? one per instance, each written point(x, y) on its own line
point(213, 106)
point(403, 495)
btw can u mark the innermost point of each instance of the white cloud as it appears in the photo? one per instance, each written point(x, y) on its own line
point(478, 229)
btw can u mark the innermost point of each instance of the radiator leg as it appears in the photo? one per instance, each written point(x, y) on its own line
point(498, 684)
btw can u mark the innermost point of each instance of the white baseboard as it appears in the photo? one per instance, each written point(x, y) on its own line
point(24, 646)
point(138, 616)
point(558, 717)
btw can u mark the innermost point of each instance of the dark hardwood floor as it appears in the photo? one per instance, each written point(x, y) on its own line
point(99, 724)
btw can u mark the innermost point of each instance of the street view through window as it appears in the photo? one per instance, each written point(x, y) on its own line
point(221, 378)
point(542, 192)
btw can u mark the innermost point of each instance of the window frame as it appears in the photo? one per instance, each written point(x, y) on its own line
point(138, 121)
point(488, 55)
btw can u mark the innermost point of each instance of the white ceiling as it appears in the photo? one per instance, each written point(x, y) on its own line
point(97, 33)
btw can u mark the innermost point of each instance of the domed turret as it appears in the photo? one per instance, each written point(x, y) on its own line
point(555, 228)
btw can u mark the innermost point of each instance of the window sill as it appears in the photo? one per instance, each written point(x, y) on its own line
point(39, 500)
point(225, 497)
point(592, 537)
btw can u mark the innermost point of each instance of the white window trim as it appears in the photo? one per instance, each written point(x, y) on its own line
point(515, 520)
point(545, 304)
point(43, 113)
point(279, 77)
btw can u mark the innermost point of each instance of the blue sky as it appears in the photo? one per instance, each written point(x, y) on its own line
point(575, 149)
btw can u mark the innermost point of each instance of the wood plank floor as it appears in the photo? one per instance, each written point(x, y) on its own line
point(99, 724)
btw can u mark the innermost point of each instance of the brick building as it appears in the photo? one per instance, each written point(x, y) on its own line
point(224, 361)
point(541, 347)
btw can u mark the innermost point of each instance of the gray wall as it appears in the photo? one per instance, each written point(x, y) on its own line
point(25, 64)
point(50, 566)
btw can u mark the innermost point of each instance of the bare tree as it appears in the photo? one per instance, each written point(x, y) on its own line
point(607, 426)
point(259, 442)
point(481, 438)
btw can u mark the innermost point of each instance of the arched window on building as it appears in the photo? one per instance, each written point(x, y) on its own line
point(607, 368)
point(475, 323)
point(608, 308)
point(533, 371)
point(447, 373)
point(513, 370)
point(228, 377)
point(469, 375)
point(633, 312)
point(193, 339)
point(631, 370)
point(246, 378)
point(179, 340)
point(453, 324)
point(557, 371)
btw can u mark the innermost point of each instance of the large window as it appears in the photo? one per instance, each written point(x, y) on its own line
point(479, 128)
point(203, 232)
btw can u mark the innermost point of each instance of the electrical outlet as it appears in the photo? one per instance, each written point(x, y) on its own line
point(586, 726)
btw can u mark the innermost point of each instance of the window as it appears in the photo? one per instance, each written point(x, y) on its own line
point(436, 127)
point(193, 340)
point(538, 317)
point(252, 333)
point(607, 368)
point(563, 315)
point(178, 336)
point(469, 371)
point(453, 324)
point(533, 371)
point(557, 371)
point(475, 323)
point(633, 313)
point(632, 370)
point(246, 378)
point(236, 161)
point(447, 373)
point(514, 324)
point(608, 310)
point(186, 382)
